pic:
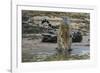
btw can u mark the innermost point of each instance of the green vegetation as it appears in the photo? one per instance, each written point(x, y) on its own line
point(39, 58)
point(57, 14)
point(27, 29)
point(62, 57)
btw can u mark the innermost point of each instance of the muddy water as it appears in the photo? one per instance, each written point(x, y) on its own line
point(39, 48)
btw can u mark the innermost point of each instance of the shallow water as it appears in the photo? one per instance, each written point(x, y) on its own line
point(80, 50)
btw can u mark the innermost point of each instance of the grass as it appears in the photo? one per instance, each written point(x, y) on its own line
point(40, 58)
point(62, 57)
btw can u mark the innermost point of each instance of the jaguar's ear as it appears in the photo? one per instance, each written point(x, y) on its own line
point(66, 20)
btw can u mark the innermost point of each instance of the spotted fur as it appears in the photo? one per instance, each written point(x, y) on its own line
point(64, 39)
